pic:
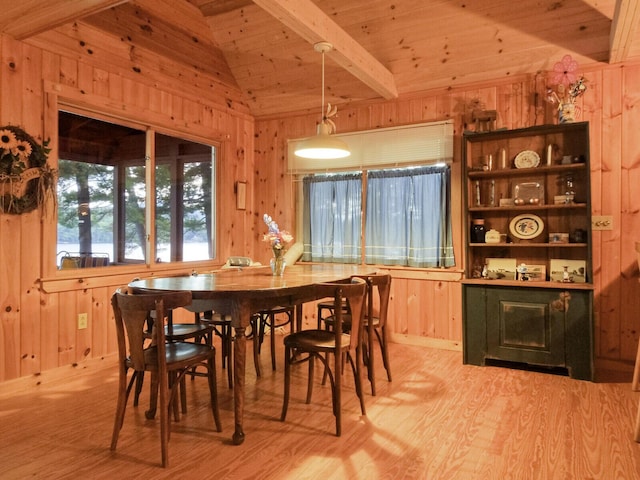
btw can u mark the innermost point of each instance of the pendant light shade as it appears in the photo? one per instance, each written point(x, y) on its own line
point(323, 145)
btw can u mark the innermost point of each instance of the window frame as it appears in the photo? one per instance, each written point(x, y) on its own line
point(363, 173)
point(49, 265)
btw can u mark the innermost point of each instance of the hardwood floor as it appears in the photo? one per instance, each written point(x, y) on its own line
point(438, 419)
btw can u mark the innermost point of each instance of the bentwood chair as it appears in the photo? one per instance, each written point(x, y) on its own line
point(168, 362)
point(375, 323)
point(197, 331)
point(269, 320)
point(319, 343)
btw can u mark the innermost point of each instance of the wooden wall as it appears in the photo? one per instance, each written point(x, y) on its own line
point(38, 308)
point(38, 315)
point(431, 308)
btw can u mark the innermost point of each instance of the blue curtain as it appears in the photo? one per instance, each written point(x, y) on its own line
point(333, 232)
point(408, 220)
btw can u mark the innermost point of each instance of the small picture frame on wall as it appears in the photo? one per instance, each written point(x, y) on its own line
point(241, 195)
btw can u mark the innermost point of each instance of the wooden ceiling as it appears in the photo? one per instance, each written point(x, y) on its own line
point(382, 48)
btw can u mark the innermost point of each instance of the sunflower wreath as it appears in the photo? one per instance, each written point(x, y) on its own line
point(26, 181)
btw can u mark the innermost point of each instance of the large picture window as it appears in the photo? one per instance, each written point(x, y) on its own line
point(103, 190)
point(404, 214)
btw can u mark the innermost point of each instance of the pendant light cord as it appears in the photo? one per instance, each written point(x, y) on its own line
point(322, 106)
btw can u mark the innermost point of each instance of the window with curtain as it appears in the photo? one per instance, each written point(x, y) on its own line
point(405, 214)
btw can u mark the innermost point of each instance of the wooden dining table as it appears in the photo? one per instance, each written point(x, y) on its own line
point(244, 291)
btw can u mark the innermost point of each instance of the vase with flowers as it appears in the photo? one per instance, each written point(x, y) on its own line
point(279, 240)
point(567, 87)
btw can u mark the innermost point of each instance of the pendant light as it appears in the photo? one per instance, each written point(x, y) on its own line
point(323, 145)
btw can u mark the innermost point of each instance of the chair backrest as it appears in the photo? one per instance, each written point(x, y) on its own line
point(354, 293)
point(131, 311)
point(380, 282)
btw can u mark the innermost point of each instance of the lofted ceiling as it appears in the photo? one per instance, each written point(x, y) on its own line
point(382, 48)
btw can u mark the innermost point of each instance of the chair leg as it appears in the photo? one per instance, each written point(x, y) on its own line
point(287, 383)
point(368, 360)
point(337, 393)
point(153, 398)
point(121, 406)
point(635, 383)
point(272, 338)
point(310, 377)
point(382, 339)
point(213, 390)
point(183, 396)
point(356, 367)
point(164, 423)
point(139, 376)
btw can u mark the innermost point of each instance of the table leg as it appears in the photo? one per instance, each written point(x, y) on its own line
point(239, 360)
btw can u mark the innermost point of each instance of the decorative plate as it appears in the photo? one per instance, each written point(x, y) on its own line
point(526, 226)
point(527, 159)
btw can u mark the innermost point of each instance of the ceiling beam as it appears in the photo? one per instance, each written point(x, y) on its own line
point(30, 17)
point(623, 28)
point(313, 25)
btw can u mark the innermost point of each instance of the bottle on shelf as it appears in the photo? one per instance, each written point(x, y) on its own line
point(477, 230)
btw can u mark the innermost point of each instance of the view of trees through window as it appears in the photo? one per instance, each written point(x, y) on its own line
point(102, 192)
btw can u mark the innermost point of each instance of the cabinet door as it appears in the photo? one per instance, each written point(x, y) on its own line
point(526, 325)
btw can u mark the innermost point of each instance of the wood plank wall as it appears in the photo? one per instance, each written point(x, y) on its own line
point(432, 308)
point(38, 329)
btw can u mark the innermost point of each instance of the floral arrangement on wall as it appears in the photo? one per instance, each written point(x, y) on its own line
point(566, 87)
point(26, 180)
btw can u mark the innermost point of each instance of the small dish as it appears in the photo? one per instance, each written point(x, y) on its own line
point(527, 159)
point(526, 226)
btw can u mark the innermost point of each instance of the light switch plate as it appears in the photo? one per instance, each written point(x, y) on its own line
point(601, 222)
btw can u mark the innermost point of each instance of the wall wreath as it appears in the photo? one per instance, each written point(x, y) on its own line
point(26, 181)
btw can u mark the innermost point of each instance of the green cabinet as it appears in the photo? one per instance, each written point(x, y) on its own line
point(544, 327)
point(528, 289)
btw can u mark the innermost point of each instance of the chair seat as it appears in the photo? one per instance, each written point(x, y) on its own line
point(178, 355)
point(315, 340)
point(182, 331)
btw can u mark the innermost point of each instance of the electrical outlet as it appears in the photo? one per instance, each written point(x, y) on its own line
point(82, 321)
point(601, 222)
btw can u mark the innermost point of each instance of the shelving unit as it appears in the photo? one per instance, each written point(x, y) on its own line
point(528, 297)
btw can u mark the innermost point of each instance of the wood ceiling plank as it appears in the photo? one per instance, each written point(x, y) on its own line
point(313, 25)
point(623, 29)
point(172, 28)
point(46, 15)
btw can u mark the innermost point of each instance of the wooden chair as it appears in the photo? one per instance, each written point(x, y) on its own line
point(318, 343)
point(168, 362)
point(220, 325)
point(375, 323)
point(268, 320)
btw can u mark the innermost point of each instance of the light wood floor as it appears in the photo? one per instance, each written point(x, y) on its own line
point(438, 419)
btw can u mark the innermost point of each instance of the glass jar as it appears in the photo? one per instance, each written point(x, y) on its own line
point(477, 230)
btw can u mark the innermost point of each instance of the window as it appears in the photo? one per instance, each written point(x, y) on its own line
point(103, 190)
point(405, 215)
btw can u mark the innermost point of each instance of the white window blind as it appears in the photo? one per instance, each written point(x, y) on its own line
point(410, 144)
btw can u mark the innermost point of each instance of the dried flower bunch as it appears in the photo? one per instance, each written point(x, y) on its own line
point(568, 85)
point(25, 178)
point(276, 237)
